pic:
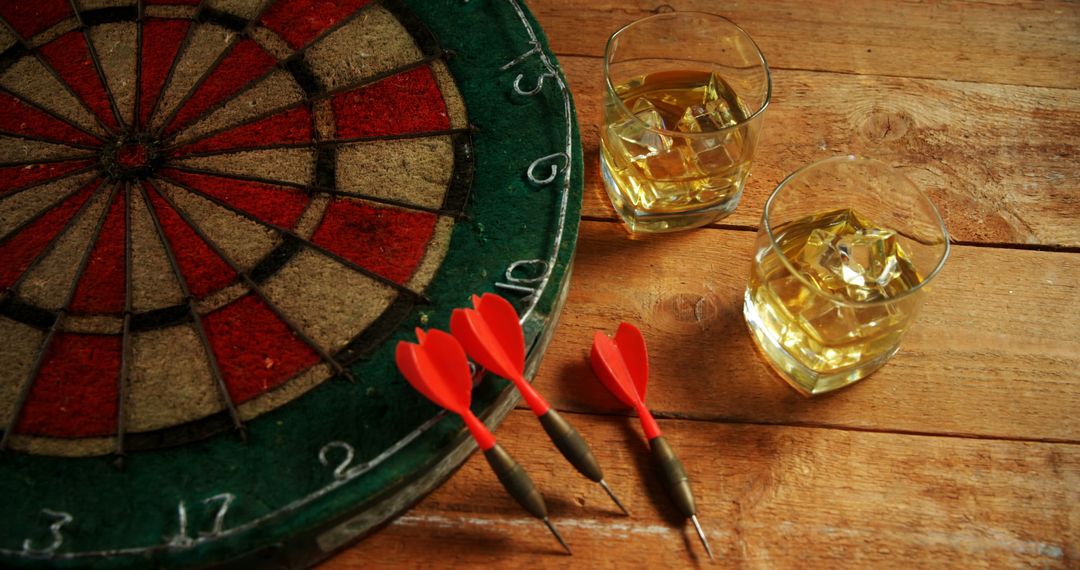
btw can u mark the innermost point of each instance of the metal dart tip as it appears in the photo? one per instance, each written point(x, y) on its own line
point(701, 535)
point(558, 536)
point(613, 497)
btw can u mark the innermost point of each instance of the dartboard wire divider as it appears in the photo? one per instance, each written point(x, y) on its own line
point(136, 163)
point(132, 154)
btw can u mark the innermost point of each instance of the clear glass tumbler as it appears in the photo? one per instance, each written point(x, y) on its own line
point(843, 257)
point(685, 93)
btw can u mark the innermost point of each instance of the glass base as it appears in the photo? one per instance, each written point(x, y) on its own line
point(807, 381)
point(641, 221)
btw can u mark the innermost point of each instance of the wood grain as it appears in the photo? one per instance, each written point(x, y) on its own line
point(995, 352)
point(999, 161)
point(768, 496)
point(961, 452)
point(1026, 42)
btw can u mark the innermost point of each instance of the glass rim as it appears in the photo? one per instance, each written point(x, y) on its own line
point(761, 57)
point(852, 158)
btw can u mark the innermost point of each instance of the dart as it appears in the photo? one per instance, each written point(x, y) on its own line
point(438, 368)
point(492, 335)
point(622, 364)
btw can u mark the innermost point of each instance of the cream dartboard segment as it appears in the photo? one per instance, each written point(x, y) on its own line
point(216, 218)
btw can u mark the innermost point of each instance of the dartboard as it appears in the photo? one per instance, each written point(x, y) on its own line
point(216, 218)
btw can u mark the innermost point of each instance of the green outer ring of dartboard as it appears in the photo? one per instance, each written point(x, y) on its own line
point(508, 218)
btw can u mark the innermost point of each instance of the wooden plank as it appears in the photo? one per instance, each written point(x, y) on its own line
point(998, 160)
point(1029, 42)
point(768, 497)
point(995, 352)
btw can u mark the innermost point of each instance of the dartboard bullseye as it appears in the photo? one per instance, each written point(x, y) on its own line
point(215, 217)
point(215, 197)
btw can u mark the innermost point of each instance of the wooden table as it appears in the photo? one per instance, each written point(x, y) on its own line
point(963, 451)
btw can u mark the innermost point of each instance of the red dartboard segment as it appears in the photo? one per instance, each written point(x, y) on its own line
point(70, 57)
point(256, 347)
point(255, 350)
point(16, 177)
point(161, 41)
point(20, 250)
point(101, 288)
point(277, 205)
point(385, 240)
point(300, 21)
point(408, 102)
point(260, 231)
point(76, 392)
point(30, 18)
point(200, 267)
point(245, 62)
point(19, 118)
point(292, 126)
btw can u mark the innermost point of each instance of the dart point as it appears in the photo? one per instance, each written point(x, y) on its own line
point(701, 535)
point(558, 536)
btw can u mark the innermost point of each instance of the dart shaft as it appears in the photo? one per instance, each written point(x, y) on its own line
point(479, 431)
point(533, 399)
point(574, 448)
point(648, 423)
point(678, 485)
point(571, 445)
point(516, 481)
point(674, 475)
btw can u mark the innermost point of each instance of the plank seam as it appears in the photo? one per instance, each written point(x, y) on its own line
point(564, 55)
point(662, 415)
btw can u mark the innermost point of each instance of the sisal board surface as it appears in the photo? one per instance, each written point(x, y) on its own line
point(278, 466)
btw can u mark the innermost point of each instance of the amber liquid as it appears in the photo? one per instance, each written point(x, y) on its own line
point(663, 159)
point(845, 311)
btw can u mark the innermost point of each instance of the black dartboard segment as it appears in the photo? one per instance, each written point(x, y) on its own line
point(216, 220)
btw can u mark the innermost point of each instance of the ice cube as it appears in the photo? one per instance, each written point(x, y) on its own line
point(637, 138)
point(666, 165)
point(869, 257)
point(827, 322)
point(707, 117)
point(692, 119)
point(722, 101)
point(647, 113)
point(859, 263)
point(714, 112)
point(726, 152)
point(822, 260)
point(726, 155)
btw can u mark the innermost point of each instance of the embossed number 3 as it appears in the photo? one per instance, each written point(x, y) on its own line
point(59, 520)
